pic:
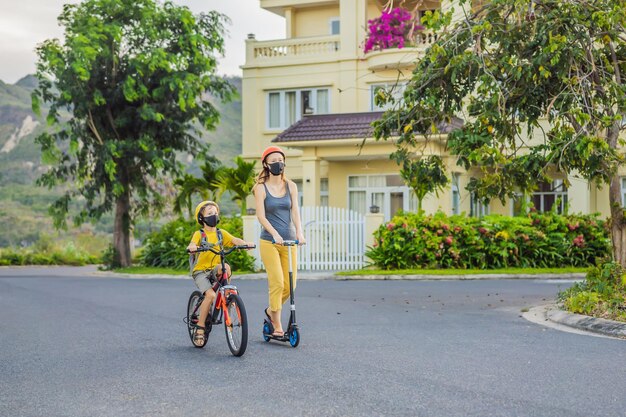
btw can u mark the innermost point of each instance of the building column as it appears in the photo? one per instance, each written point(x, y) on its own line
point(372, 223)
point(310, 181)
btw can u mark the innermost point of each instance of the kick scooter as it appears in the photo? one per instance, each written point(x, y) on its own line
point(292, 335)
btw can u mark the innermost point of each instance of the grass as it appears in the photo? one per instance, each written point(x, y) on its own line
point(534, 271)
point(154, 270)
point(151, 270)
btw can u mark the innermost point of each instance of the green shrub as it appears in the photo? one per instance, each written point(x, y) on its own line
point(411, 241)
point(601, 294)
point(46, 254)
point(167, 247)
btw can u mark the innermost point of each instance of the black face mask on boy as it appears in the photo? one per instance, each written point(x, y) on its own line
point(277, 168)
point(211, 220)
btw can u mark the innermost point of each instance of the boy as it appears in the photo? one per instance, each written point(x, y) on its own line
point(208, 268)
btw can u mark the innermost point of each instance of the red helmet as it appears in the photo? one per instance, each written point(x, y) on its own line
point(271, 149)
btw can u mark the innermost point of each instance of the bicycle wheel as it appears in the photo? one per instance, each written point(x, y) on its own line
point(237, 332)
point(192, 317)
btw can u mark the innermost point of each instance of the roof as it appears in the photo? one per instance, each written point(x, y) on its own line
point(340, 126)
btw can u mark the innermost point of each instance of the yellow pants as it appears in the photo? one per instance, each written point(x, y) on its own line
point(276, 261)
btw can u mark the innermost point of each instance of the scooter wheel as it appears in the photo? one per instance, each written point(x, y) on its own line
point(294, 337)
point(266, 331)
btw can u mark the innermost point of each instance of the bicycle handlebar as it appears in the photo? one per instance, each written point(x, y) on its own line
point(223, 251)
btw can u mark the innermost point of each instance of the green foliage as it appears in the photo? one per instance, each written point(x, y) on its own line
point(509, 68)
point(238, 180)
point(538, 240)
point(189, 185)
point(167, 247)
point(46, 254)
point(424, 175)
point(132, 74)
point(602, 294)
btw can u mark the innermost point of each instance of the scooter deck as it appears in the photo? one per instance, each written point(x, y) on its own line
point(285, 337)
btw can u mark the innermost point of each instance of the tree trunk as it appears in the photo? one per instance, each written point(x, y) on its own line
point(121, 230)
point(618, 235)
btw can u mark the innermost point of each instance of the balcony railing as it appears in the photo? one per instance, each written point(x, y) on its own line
point(395, 58)
point(319, 48)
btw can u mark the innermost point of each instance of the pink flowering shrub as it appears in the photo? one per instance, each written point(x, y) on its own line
point(537, 240)
point(390, 30)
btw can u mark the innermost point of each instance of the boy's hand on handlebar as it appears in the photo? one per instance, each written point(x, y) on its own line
point(250, 245)
point(192, 247)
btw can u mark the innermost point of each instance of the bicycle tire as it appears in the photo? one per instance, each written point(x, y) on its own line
point(237, 332)
point(191, 321)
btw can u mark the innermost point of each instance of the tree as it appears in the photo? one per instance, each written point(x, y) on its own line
point(239, 180)
point(190, 185)
point(540, 86)
point(424, 175)
point(131, 74)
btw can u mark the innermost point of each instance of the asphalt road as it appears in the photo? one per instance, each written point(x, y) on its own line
point(94, 346)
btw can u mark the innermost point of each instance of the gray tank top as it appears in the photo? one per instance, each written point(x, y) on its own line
point(278, 213)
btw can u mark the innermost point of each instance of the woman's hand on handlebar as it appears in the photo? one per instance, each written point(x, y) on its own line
point(301, 240)
point(278, 240)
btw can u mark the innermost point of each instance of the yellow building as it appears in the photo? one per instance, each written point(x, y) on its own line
point(312, 94)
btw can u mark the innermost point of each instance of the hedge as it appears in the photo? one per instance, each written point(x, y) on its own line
point(547, 240)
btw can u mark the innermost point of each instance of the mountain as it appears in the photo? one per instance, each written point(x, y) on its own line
point(24, 204)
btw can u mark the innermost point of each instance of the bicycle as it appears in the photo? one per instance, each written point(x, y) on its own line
point(227, 308)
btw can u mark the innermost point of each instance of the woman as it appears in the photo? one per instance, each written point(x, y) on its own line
point(278, 212)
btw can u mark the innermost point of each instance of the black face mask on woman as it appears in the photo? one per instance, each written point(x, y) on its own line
point(277, 168)
point(211, 220)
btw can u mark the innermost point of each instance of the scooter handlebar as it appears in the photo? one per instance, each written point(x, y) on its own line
point(287, 242)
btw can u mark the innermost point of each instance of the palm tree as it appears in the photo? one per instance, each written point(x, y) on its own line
point(205, 185)
point(238, 180)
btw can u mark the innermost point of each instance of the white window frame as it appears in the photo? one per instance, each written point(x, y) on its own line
point(283, 108)
point(555, 184)
point(324, 192)
point(398, 91)
point(407, 201)
point(455, 188)
point(477, 207)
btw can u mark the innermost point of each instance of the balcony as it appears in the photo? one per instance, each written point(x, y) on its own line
point(400, 58)
point(293, 51)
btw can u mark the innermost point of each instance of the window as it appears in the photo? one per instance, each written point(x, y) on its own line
point(456, 195)
point(387, 192)
point(396, 91)
point(549, 194)
point(284, 108)
point(334, 25)
point(324, 192)
point(477, 207)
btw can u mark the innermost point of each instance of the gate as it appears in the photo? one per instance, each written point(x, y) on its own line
point(335, 239)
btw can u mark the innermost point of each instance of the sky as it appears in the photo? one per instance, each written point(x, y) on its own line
point(25, 23)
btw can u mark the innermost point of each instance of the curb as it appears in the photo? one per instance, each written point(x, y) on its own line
point(551, 316)
point(314, 276)
point(421, 277)
point(592, 324)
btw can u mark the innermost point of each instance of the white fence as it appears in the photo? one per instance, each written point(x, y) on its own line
point(335, 239)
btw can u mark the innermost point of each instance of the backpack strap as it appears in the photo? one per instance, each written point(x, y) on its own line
point(220, 238)
point(203, 239)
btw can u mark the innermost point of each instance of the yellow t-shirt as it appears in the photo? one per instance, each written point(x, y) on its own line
point(208, 260)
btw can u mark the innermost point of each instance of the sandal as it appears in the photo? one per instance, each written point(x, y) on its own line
point(199, 338)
